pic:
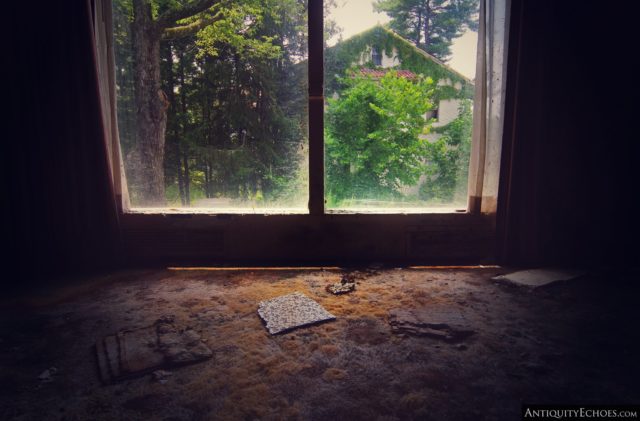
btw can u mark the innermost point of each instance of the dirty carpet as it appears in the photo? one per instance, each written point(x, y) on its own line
point(406, 344)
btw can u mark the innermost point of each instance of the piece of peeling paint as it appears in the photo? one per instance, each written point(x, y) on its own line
point(539, 277)
point(440, 322)
point(130, 353)
point(291, 311)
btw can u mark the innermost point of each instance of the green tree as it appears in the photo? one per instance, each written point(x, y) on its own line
point(235, 124)
point(448, 160)
point(373, 142)
point(153, 22)
point(431, 24)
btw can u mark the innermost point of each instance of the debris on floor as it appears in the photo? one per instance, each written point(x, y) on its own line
point(340, 288)
point(534, 278)
point(291, 311)
point(161, 376)
point(576, 342)
point(443, 323)
point(346, 285)
point(47, 375)
point(135, 352)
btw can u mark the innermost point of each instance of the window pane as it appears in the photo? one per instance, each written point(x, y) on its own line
point(212, 107)
point(398, 117)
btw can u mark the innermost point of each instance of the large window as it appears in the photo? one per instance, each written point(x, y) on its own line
point(212, 103)
point(398, 118)
point(265, 106)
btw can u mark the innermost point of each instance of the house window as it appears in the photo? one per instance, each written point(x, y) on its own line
point(376, 56)
point(227, 111)
point(432, 115)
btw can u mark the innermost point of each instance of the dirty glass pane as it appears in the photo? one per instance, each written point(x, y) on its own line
point(398, 115)
point(212, 104)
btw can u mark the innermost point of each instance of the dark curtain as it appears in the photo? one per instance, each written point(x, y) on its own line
point(61, 217)
point(569, 179)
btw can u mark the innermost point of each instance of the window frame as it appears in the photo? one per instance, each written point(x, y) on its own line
point(183, 236)
point(376, 56)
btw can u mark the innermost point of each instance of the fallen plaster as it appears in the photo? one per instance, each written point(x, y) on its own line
point(291, 311)
point(535, 278)
point(135, 352)
point(347, 284)
point(439, 322)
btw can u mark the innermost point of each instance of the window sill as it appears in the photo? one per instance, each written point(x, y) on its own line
point(296, 211)
point(210, 211)
point(395, 211)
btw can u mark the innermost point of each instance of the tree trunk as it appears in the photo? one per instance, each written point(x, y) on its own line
point(181, 183)
point(207, 180)
point(185, 151)
point(427, 19)
point(418, 32)
point(211, 187)
point(172, 135)
point(151, 105)
point(187, 180)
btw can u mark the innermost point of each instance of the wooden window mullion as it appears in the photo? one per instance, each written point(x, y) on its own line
point(316, 108)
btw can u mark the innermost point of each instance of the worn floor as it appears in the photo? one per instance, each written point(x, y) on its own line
point(570, 342)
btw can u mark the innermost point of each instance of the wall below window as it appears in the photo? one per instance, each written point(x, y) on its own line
point(305, 239)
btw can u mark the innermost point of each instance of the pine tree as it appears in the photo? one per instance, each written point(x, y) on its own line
point(431, 24)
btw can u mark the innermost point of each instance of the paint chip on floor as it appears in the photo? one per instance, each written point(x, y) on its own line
point(439, 322)
point(291, 311)
point(131, 353)
point(538, 277)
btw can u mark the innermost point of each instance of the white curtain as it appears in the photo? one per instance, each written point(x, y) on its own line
point(103, 36)
point(488, 111)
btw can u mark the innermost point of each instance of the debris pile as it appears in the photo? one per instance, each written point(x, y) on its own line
point(130, 353)
point(535, 278)
point(161, 376)
point(346, 285)
point(442, 323)
point(47, 375)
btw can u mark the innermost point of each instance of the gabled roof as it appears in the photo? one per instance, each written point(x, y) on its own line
point(345, 53)
point(378, 73)
point(424, 53)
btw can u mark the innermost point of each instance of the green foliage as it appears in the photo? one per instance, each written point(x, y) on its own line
point(431, 24)
point(236, 122)
point(448, 160)
point(443, 174)
point(174, 198)
point(238, 24)
point(372, 140)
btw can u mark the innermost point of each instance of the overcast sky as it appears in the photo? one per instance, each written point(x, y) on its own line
point(355, 16)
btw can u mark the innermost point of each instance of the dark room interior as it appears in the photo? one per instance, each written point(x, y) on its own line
point(79, 268)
